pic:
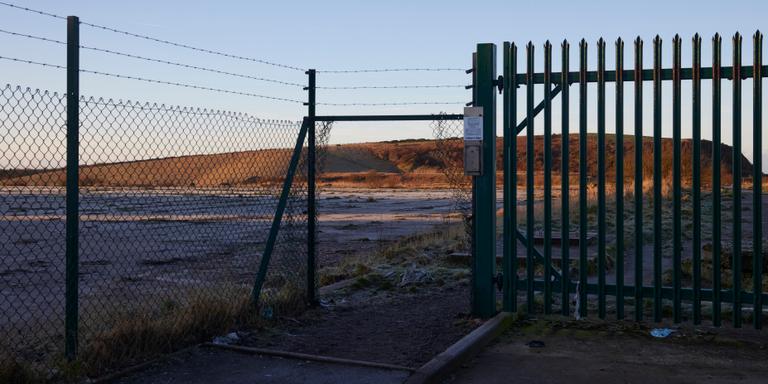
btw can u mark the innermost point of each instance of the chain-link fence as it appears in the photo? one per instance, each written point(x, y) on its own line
point(176, 204)
point(394, 214)
point(449, 149)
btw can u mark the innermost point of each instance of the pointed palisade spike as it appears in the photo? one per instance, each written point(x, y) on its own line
point(565, 43)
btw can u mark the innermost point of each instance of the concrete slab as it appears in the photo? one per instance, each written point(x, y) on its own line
point(593, 356)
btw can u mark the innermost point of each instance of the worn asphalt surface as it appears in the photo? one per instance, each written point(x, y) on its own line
point(209, 366)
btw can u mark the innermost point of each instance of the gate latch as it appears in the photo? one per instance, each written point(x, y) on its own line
point(499, 83)
point(499, 281)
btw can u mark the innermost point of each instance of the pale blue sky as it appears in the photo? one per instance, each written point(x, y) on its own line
point(350, 35)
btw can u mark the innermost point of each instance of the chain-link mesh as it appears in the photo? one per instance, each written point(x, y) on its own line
point(449, 149)
point(32, 229)
point(176, 204)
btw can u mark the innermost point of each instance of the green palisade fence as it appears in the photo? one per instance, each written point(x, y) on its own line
point(679, 248)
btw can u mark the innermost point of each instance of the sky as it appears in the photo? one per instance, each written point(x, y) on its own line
point(349, 35)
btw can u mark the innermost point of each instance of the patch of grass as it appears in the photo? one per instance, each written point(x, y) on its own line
point(382, 268)
point(11, 371)
point(142, 333)
point(373, 280)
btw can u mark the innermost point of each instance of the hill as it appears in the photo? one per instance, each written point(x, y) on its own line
point(409, 163)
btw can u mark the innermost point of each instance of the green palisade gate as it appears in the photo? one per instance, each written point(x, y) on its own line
point(676, 277)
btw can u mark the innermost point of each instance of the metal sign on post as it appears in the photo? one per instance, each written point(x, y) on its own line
point(473, 141)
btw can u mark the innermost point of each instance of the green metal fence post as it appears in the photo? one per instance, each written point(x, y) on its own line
point(677, 245)
point(601, 178)
point(547, 178)
point(510, 179)
point(716, 186)
point(473, 200)
point(638, 179)
point(757, 180)
point(73, 188)
point(619, 179)
point(529, 179)
point(736, 164)
point(311, 191)
point(484, 262)
point(657, 178)
point(583, 169)
point(565, 189)
point(696, 128)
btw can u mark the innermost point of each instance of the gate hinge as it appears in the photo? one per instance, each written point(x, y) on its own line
point(499, 281)
point(499, 83)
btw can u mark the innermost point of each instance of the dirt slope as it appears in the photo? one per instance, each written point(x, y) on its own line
point(389, 164)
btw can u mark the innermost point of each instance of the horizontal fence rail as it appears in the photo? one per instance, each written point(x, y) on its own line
point(682, 248)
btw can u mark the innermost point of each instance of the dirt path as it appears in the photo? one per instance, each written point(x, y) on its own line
point(397, 329)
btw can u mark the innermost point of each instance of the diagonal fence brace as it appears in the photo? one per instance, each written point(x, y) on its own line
point(539, 107)
point(520, 127)
point(523, 240)
point(273, 232)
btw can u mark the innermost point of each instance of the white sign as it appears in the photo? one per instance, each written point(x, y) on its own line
point(473, 124)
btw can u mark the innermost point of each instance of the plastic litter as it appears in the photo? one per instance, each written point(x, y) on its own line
point(414, 275)
point(661, 332)
point(267, 313)
point(228, 339)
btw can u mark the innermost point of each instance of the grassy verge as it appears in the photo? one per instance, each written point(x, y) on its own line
point(119, 336)
point(408, 263)
point(12, 371)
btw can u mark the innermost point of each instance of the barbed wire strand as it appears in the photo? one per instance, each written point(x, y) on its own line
point(162, 41)
point(392, 104)
point(32, 10)
point(150, 59)
point(393, 86)
point(225, 54)
point(155, 81)
point(186, 46)
point(221, 72)
point(220, 90)
point(343, 71)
